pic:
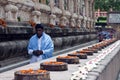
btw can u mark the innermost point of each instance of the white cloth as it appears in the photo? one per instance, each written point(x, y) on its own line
point(35, 58)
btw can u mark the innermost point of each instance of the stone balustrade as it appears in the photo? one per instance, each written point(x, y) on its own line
point(108, 68)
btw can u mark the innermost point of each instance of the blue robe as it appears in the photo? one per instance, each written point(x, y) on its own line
point(105, 34)
point(46, 45)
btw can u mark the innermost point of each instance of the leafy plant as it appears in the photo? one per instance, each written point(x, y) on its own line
point(105, 5)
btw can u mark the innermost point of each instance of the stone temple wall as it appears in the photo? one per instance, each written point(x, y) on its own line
point(80, 14)
point(66, 28)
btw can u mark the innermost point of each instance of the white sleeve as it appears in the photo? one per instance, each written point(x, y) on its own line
point(43, 51)
point(30, 51)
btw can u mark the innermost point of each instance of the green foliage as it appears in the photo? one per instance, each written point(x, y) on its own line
point(101, 20)
point(47, 2)
point(105, 5)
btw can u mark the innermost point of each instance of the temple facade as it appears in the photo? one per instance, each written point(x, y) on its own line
point(68, 22)
point(75, 13)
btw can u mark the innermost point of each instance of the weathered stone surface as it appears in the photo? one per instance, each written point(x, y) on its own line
point(12, 48)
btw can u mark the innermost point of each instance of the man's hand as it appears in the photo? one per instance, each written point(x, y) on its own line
point(40, 52)
point(37, 52)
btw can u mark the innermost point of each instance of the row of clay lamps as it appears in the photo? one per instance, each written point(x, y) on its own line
point(82, 54)
point(96, 47)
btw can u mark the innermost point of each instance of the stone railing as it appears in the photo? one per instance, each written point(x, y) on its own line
point(108, 68)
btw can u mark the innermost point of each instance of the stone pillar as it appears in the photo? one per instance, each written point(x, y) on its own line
point(78, 23)
point(11, 12)
point(1, 12)
point(61, 4)
point(52, 19)
point(92, 25)
point(89, 13)
point(63, 18)
point(66, 13)
point(85, 21)
point(52, 4)
point(67, 22)
point(71, 4)
point(90, 10)
point(76, 6)
point(83, 7)
point(87, 8)
point(36, 16)
point(63, 21)
point(8, 15)
point(88, 26)
point(93, 10)
point(72, 22)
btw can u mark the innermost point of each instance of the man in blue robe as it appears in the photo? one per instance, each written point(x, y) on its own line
point(40, 45)
point(106, 34)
